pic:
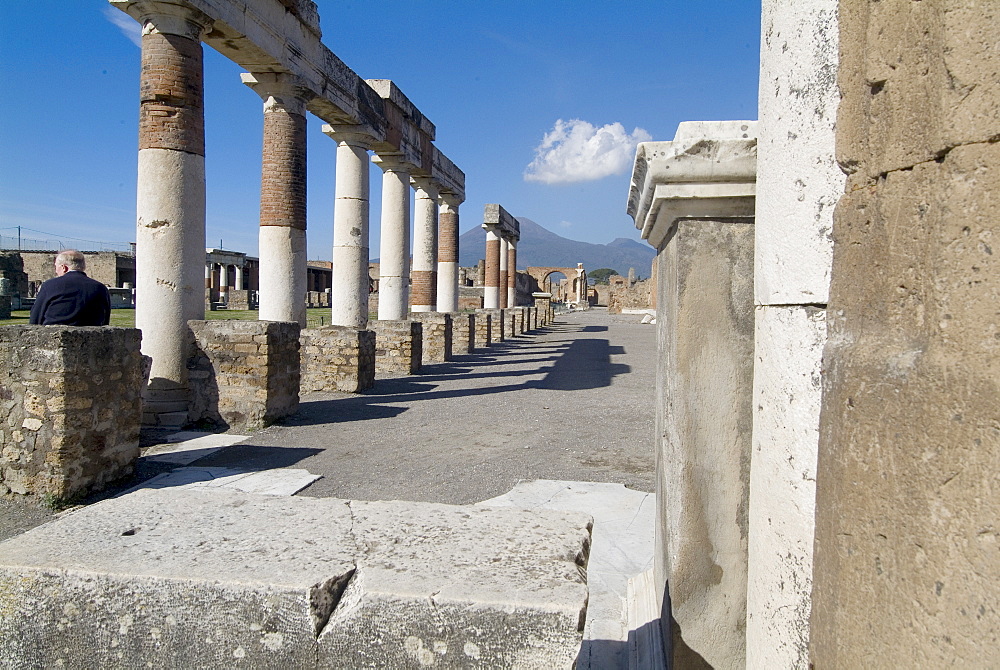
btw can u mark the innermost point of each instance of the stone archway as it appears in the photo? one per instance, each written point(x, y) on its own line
point(576, 277)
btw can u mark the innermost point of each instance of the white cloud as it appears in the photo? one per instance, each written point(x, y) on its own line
point(577, 151)
point(130, 27)
point(565, 224)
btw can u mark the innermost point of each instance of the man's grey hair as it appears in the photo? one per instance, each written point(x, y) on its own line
point(72, 259)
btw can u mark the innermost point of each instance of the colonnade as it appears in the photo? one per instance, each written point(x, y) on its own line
point(364, 116)
point(502, 235)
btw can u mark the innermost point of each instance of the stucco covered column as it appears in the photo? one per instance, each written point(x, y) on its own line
point(223, 283)
point(693, 199)
point(511, 272)
point(282, 198)
point(447, 286)
point(238, 284)
point(491, 286)
point(349, 297)
point(425, 225)
point(394, 242)
point(170, 202)
point(504, 261)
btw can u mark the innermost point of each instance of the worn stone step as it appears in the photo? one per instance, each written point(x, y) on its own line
point(219, 578)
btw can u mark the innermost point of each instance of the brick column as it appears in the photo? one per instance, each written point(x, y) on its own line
point(491, 285)
point(504, 252)
point(447, 285)
point(282, 198)
point(394, 254)
point(425, 222)
point(349, 297)
point(511, 273)
point(170, 200)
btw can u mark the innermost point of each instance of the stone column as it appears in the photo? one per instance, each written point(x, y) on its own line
point(425, 224)
point(491, 286)
point(282, 198)
point(447, 286)
point(223, 283)
point(208, 283)
point(238, 284)
point(502, 280)
point(170, 202)
point(349, 297)
point(394, 261)
point(511, 273)
point(798, 184)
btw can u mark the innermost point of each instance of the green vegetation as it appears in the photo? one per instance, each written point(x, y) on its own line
point(600, 276)
point(125, 318)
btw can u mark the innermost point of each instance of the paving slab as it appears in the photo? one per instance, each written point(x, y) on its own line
point(211, 577)
point(186, 447)
point(276, 482)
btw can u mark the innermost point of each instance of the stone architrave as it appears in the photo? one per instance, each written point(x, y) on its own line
point(282, 198)
point(448, 271)
point(425, 232)
point(905, 569)
point(798, 184)
point(170, 205)
point(349, 297)
point(693, 200)
point(394, 260)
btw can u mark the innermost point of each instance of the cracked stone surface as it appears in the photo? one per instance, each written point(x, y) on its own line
point(222, 578)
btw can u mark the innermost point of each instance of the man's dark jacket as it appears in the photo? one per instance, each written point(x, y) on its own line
point(72, 300)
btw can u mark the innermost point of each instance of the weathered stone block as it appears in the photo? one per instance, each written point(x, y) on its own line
point(217, 578)
point(463, 333)
point(337, 358)
point(247, 386)
point(437, 336)
point(495, 323)
point(70, 407)
point(398, 346)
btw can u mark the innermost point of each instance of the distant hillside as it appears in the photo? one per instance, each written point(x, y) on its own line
point(541, 247)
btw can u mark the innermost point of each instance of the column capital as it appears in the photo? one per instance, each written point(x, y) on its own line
point(450, 200)
point(279, 90)
point(425, 184)
point(166, 17)
point(349, 135)
point(392, 162)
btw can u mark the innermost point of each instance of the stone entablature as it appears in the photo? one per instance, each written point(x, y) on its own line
point(69, 408)
point(398, 346)
point(337, 358)
point(244, 375)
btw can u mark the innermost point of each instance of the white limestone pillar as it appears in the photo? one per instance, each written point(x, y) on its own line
point(349, 297)
point(512, 273)
point(491, 286)
point(447, 287)
point(798, 185)
point(504, 261)
point(425, 224)
point(394, 241)
point(238, 285)
point(170, 200)
point(282, 198)
point(223, 283)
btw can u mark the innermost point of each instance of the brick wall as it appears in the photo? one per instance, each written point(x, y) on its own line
point(70, 407)
point(243, 374)
point(170, 94)
point(337, 358)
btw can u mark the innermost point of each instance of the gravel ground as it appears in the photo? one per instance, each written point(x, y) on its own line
point(572, 401)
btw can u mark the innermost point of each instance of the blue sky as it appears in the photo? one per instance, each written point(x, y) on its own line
point(540, 102)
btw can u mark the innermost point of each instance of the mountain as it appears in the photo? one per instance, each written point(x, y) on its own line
point(540, 247)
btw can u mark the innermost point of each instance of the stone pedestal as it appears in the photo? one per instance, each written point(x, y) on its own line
point(239, 299)
point(397, 346)
point(244, 375)
point(463, 333)
point(497, 326)
point(532, 318)
point(484, 328)
point(337, 358)
point(543, 305)
point(70, 407)
point(436, 346)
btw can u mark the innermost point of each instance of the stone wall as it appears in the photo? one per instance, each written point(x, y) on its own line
point(637, 296)
point(497, 325)
point(12, 268)
point(484, 328)
point(69, 407)
point(337, 358)
point(463, 333)
point(243, 375)
point(905, 568)
point(398, 346)
point(470, 298)
point(239, 299)
point(437, 336)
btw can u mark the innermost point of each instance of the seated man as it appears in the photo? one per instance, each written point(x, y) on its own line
point(72, 298)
